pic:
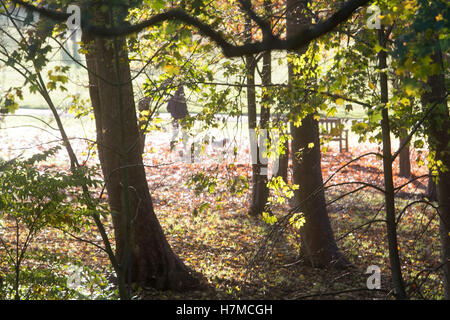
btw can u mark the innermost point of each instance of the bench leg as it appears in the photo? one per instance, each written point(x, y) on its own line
point(346, 141)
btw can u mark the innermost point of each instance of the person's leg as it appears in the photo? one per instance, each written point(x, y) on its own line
point(187, 147)
point(175, 132)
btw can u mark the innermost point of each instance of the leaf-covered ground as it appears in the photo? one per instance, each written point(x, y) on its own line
point(213, 234)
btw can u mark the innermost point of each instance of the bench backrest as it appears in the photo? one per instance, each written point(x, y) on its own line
point(333, 126)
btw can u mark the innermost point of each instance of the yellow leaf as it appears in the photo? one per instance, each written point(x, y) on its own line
point(409, 90)
point(340, 101)
point(172, 70)
point(405, 101)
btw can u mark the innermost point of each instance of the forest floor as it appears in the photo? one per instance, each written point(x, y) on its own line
point(246, 258)
point(242, 257)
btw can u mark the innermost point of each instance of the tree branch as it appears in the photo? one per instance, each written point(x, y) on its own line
point(264, 25)
point(303, 37)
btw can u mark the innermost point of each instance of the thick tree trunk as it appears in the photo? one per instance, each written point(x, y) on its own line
point(150, 261)
point(439, 141)
point(318, 240)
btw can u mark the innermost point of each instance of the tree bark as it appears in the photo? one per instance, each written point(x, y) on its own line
point(389, 194)
point(263, 161)
point(259, 191)
point(439, 142)
point(317, 236)
point(140, 241)
point(431, 192)
point(250, 64)
point(404, 160)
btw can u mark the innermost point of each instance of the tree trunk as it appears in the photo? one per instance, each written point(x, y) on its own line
point(431, 192)
point(404, 160)
point(259, 179)
point(262, 191)
point(389, 194)
point(439, 142)
point(317, 236)
point(250, 64)
point(140, 241)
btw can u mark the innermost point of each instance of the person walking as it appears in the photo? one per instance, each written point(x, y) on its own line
point(177, 107)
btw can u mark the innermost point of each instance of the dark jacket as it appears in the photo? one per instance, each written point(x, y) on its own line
point(177, 106)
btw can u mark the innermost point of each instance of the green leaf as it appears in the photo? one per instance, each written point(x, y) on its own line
point(158, 4)
point(378, 48)
point(418, 144)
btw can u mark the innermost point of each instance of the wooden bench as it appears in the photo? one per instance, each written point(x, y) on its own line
point(332, 129)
